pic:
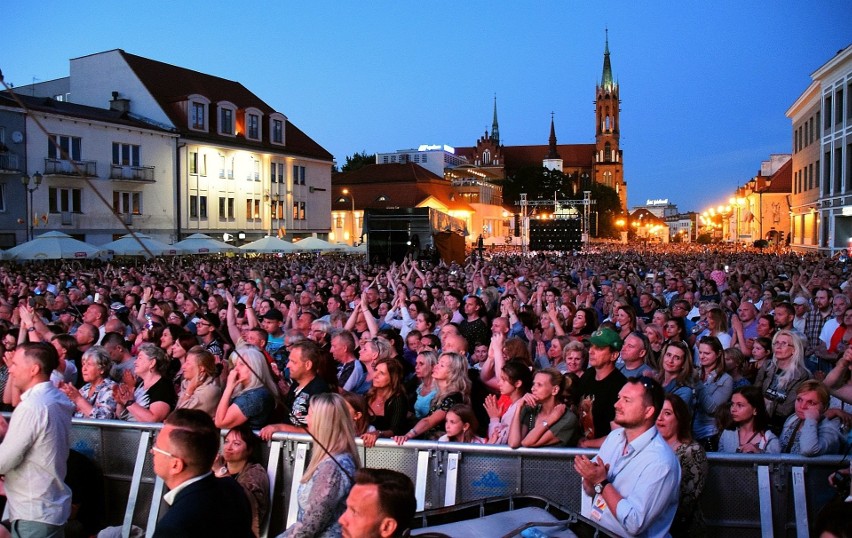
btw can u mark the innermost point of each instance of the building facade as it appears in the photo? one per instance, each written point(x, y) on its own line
point(239, 166)
point(821, 202)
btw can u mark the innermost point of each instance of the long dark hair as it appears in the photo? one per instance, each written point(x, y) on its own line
point(683, 417)
point(754, 396)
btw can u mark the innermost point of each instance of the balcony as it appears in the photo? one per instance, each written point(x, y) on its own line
point(131, 173)
point(9, 162)
point(60, 167)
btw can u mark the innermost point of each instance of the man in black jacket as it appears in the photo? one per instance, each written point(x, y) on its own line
point(183, 455)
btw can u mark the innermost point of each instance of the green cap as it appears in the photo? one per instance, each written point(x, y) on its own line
point(606, 337)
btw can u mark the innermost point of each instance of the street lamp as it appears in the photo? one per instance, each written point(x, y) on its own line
point(352, 199)
point(25, 181)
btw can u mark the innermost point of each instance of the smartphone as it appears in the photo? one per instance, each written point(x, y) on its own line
point(97, 297)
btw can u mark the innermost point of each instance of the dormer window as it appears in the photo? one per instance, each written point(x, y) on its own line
point(197, 112)
point(252, 124)
point(227, 118)
point(276, 128)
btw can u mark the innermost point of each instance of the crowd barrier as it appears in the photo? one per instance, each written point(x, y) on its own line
point(746, 495)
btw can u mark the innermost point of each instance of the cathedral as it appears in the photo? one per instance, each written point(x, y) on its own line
point(581, 163)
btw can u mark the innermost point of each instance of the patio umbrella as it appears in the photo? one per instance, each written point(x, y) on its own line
point(269, 244)
point(53, 246)
point(314, 244)
point(127, 245)
point(203, 244)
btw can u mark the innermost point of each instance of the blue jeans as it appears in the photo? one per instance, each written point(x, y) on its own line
point(35, 529)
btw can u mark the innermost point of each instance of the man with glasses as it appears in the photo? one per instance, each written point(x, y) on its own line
point(634, 481)
point(205, 329)
point(35, 446)
point(183, 455)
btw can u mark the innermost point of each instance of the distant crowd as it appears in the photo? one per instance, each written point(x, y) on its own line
point(751, 348)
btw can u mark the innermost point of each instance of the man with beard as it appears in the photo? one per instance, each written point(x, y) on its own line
point(634, 480)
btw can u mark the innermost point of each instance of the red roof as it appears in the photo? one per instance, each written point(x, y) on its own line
point(515, 157)
point(171, 85)
point(782, 180)
point(393, 185)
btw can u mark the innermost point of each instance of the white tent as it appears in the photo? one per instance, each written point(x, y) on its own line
point(314, 244)
point(269, 244)
point(360, 249)
point(53, 246)
point(203, 244)
point(127, 245)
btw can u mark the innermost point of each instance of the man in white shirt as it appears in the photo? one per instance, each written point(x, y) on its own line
point(34, 451)
point(634, 480)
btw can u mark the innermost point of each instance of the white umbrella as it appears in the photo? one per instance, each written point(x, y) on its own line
point(127, 245)
point(53, 246)
point(269, 244)
point(360, 249)
point(203, 244)
point(315, 244)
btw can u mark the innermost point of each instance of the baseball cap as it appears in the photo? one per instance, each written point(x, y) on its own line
point(274, 314)
point(606, 337)
point(800, 300)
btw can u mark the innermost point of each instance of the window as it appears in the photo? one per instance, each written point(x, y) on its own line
point(280, 172)
point(226, 208)
point(125, 154)
point(838, 108)
point(298, 175)
point(257, 170)
point(61, 200)
point(127, 202)
point(253, 126)
point(299, 211)
point(64, 147)
point(202, 207)
point(193, 206)
point(193, 162)
point(338, 221)
point(273, 178)
point(252, 209)
point(231, 169)
point(278, 131)
point(849, 101)
point(827, 108)
point(2, 197)
point(226, 123)
point(198, 116)
point(221, 167)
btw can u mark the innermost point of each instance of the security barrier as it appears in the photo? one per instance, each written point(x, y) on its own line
point(746, 495)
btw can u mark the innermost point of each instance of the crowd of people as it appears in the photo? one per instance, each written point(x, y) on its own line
point(750, 351)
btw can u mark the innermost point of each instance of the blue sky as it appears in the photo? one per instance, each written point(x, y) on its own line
point(704, 86)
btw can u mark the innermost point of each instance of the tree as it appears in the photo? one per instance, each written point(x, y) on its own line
point(358, 160)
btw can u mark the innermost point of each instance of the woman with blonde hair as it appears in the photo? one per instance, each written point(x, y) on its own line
point(779, 377)
point(330, 474)
point(250, 391)
point(199, 388)
point(450, 376)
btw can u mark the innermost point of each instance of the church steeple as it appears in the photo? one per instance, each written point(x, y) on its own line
point(495, 128)
point(551, 153)
point(606, 78)
point(553, 161)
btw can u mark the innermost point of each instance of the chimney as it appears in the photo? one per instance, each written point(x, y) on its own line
point(119, 104)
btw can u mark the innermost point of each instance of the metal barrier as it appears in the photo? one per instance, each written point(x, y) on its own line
point(750, 495)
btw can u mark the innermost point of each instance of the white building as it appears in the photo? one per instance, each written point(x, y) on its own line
point(239, 165)
point(101, 172)
point(435, 158)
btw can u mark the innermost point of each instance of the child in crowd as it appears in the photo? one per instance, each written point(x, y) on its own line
point(460, 426)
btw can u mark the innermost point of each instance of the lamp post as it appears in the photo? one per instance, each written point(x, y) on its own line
point(25, 181)
point(352, 199)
